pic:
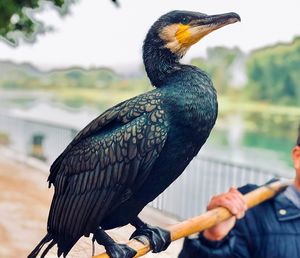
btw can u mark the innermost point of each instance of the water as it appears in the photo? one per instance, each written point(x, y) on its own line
point(265, 140)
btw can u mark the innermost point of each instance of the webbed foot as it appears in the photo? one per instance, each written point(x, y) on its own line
point(159, 238)
point(113, 249)
point(120, 251)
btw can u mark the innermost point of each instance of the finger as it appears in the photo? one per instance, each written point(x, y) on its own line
point(227, 202)
point(217, 201)
point(240, 196)
point(239, 207)
point(234, 203)
point(239, 202)
point(240, 215)
point(233, 197)
point(232, 188)
point(243, 199)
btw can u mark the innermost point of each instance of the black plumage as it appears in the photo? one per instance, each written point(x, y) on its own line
point(128, 155)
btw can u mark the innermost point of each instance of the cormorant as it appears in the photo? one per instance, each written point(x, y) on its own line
point(133, 151)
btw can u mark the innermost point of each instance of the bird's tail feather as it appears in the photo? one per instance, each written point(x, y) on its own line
point(38, 248)
point(50, 245)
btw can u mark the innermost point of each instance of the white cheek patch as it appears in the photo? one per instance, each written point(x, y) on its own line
point(168, 35)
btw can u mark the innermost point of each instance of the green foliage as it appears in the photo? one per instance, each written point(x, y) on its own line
point(75, 87)
point(273, 74)
point(15, 20)
point(220, 64)
point(27, 77)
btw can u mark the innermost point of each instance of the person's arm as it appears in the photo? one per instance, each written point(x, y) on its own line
point(224, 240)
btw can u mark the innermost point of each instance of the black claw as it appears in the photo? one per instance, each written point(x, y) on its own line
point(120, 251)
point(159, 238)
point(113, 249)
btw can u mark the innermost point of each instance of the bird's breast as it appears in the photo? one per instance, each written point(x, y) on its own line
point(193, 112)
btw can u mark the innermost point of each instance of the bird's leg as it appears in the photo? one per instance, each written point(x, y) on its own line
point(113, 249)
point(159, 238)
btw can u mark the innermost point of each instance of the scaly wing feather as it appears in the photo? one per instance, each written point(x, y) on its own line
point(113, 117)
point(103, 167)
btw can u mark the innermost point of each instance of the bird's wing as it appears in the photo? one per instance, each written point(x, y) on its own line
point(103, 168)
point(112, 118)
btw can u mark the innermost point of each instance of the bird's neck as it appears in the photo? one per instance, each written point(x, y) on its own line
point(160, 63)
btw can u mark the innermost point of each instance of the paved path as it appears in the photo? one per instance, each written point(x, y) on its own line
point(24, 204)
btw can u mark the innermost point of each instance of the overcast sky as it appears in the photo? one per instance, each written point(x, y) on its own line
point(98, 34)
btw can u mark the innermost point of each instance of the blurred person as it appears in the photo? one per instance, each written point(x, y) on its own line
point(269, 230)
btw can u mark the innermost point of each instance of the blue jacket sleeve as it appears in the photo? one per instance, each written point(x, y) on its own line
point(235, 244)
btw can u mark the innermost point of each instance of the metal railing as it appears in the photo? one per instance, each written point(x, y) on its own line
point(186, 197)
point(203, 178)
point(21, 131)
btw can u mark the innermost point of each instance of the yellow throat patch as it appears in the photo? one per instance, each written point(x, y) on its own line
point(179, 38)
point(183, 34)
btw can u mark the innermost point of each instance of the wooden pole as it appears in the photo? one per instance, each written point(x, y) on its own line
point(209, 218)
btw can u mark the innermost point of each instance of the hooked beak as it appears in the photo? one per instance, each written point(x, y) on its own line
point(199, 28)
point(213, 22)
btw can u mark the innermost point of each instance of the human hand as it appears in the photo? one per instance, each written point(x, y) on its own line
point(235, 202)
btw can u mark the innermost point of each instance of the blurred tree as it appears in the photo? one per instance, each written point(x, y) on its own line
point(221, 64)
point(16, 21)
point(273, 74)
point(289, 86)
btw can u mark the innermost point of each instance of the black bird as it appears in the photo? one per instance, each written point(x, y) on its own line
point(133, 151)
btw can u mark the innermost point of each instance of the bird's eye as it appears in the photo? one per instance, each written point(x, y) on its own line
point(184, 21)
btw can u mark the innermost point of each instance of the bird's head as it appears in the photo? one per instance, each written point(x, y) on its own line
point(177, 31)
point(172, 35)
